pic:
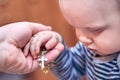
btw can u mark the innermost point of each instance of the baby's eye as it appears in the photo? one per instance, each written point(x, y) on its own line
point(96, 31)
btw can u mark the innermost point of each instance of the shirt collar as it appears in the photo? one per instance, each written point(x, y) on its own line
point(106, 58)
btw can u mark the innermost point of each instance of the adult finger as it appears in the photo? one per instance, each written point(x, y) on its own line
point(36, 27)
point(54, 53)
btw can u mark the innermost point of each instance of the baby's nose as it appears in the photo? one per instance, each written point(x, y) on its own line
point(86, 41)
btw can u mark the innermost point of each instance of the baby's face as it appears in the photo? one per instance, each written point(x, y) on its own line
point(97, 23)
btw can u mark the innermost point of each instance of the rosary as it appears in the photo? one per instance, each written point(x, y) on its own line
point(42, 59)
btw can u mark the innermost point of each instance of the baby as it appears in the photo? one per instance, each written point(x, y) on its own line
point(96, 55)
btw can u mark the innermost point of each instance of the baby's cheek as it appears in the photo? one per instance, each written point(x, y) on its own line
point(108, 48)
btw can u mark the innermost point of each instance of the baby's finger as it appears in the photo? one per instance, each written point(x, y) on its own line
point(51, 43)
point(32, 47)
point(36, 43)
point(40, 41)
point(26, 49)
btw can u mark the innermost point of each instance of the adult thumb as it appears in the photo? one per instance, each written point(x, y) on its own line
point(36, 27)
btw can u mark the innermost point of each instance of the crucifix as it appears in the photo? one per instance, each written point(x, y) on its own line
point(42, 59)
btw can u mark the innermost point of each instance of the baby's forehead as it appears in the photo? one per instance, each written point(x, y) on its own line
point(91, 3)
point(80, 4)
point(88, 6)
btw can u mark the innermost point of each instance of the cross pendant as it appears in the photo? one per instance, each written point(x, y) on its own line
point(42, 59)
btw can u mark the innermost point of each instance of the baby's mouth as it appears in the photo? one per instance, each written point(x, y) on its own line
point(95, 52)
point(92, 50)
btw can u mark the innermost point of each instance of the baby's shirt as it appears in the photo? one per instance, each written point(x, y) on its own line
point(77, 61)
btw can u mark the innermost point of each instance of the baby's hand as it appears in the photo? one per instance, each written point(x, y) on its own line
point(48, 39)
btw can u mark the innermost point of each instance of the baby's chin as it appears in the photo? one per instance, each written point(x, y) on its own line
point(102, 54)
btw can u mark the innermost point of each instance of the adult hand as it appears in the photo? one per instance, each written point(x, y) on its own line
point(13, 38)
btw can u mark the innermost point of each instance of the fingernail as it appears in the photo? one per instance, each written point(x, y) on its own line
point(56, 51)
point(49, 27)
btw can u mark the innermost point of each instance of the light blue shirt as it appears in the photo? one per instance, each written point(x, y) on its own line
point(78, 61)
